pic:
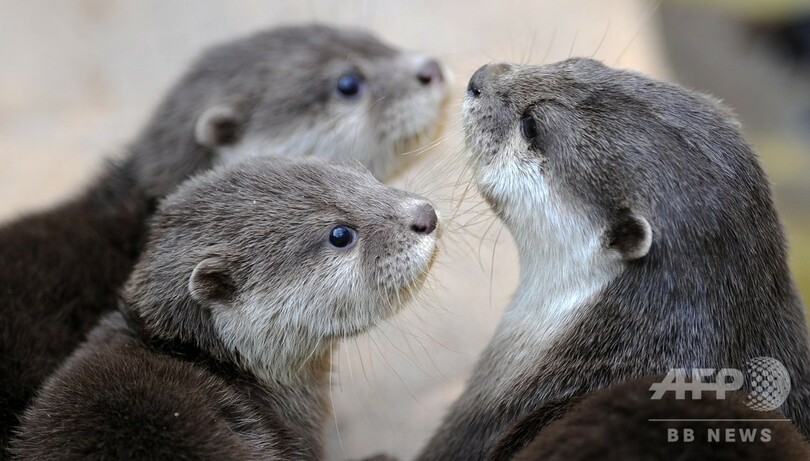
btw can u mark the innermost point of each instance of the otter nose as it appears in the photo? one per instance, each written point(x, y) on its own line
point(484, 73)
point(425, 220)
point(430, 72)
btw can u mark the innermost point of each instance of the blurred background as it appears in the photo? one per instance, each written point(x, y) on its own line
point(80, 77)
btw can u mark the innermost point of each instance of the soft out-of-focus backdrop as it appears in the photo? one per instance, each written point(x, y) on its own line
point(80, 77)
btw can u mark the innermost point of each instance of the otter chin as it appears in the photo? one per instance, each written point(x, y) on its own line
point(221, 345)
point(648, 240)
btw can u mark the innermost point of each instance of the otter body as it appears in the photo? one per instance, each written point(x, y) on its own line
point(124, 398)
point(221, 346)
point(293, 91)
point(60, 270)
point(647, 236)
point(623, 422)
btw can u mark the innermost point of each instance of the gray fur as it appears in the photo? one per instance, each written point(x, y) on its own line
point(274, 93)
point(221, 348)
point(270, 94)
point(615, 149)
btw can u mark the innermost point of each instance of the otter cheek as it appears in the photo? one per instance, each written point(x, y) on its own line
point(338, 305)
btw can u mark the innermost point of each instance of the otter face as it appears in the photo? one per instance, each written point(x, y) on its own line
point(639, 159)
point(284, 257)
point(561, 143)
point(318, 91)
point(599, 172)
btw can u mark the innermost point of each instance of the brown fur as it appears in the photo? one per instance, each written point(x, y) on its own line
point(613, 424)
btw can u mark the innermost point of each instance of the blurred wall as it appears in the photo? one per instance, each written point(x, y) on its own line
point(755, 55)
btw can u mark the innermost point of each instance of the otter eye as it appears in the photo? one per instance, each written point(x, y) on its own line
point(350, 85)
point(342, 236)
point(528, 127)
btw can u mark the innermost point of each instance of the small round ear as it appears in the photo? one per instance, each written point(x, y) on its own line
point(212, 282)
point(631, 236)
point(217, 126)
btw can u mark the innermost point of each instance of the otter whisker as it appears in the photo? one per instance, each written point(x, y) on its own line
point(550, 44)
point(573, 43)
point(602, 40)
point(348, 360)
point(410, 358)
point(332, 400)
point(390, 368)
point(434, 143)
point(492, 265)
point(644, 21)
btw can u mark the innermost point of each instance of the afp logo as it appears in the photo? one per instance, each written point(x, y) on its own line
point(767, 378)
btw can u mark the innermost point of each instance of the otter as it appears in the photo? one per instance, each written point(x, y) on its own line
point(297, 91)
point(221, 346)
point(622, 422)
point(647, 236)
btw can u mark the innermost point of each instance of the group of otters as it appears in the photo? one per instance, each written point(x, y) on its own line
point(186, 304)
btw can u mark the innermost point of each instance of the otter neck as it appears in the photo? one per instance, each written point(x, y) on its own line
point(562, 268)
point(295, 387)
point(563, 264)
point(302, 401)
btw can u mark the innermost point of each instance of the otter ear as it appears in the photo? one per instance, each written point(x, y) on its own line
point(212, 282)
point(217, 126)
point(631, 236)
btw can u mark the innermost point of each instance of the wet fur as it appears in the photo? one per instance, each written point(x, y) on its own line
point(713, 289)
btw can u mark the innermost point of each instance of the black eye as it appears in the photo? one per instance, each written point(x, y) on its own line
point(342, 236)
point(528, 127)
point(350, 85)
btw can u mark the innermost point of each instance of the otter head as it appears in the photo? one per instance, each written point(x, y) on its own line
point(612, 172)
point(335, 94)
point(268, 262)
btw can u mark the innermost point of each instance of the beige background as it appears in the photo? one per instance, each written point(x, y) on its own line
point(80, 77)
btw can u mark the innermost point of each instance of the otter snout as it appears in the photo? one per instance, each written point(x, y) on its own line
point(478, 82)
point(425, 220)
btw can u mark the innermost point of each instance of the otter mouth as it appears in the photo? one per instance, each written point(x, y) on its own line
point(499, 170)
point(394, 299)
point(476, 144)
point(420, 271)
point(411, 290)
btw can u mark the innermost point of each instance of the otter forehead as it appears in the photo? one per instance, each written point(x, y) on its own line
point(263, 189)
point(299, 42)
point(286, 64)
point(266, 53)
point(284, 209)
point(578, 83)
